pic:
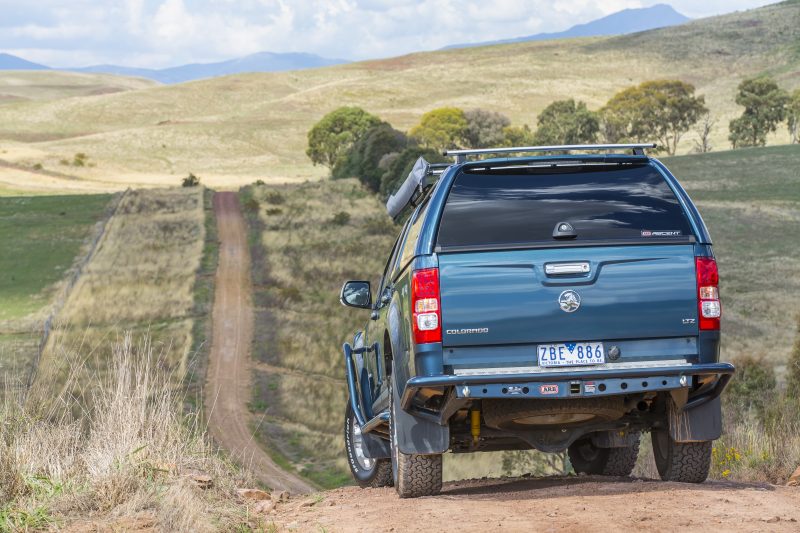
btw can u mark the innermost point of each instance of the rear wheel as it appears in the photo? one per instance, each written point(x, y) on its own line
point(686, 462)
point(366, 471)
point(586, 458)
point(413, 475)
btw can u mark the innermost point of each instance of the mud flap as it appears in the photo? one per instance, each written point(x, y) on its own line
point(415, 435)
point(376, 447)
point(698, 424)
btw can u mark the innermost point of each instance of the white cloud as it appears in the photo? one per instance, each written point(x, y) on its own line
point(158, 33)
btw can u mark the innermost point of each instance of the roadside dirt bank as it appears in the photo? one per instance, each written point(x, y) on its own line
point(589, 503)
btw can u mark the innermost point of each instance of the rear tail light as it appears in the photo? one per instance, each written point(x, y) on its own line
point(708, 293)
point(425, 305)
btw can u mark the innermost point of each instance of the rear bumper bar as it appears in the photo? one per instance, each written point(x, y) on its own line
point(607, 381)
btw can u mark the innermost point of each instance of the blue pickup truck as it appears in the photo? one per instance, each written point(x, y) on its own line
point(566, 300)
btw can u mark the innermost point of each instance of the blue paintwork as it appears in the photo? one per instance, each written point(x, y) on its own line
point(631, 292)
point(636, 297)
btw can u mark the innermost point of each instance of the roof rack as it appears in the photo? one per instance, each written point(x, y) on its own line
point(461, 155)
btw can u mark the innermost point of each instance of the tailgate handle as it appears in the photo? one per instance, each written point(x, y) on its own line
point(560, 269)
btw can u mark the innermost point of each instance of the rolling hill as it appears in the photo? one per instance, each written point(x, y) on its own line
point(619, 23)
point(54, 85)
point(235, 129)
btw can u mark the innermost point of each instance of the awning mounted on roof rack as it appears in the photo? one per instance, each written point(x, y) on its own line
point(414, 184)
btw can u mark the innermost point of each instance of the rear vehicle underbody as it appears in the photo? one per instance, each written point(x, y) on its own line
point(565, 302)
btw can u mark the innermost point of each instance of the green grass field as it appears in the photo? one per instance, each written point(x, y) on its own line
point(236, 129)
point(750, 200)
point(40, 238)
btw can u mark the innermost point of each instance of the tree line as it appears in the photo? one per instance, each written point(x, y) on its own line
point(354, 143)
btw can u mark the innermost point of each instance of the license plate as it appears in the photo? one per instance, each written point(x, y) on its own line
point(571, 354)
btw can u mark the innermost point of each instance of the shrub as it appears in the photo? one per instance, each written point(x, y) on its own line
point(252, 205)
point(364, 157)
point(661, 110)
point(441, 129)
point(517, 136)
point(38, 166)
point(342, 218)
point(80, 159)
point(274, 198)
point(764, 108)
point(190, 181)
point(380, 225)
point(752, 389)
point(274, 211)
point(259, 183)
point(335, 133)
point(566, 122)
point(485, 128)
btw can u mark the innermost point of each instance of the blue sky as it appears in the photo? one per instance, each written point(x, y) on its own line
point(158, 33)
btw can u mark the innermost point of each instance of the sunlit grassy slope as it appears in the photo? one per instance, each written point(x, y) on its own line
point(16, 85)
point(235, 129)
point(750, 200)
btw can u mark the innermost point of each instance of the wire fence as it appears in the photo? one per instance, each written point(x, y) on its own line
point(59, 303)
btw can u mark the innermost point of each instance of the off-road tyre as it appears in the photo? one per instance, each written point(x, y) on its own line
point(379, 474)
point(685, 462)
point(413, 475)
point(511, 414)
point(586, 458)
point(418, 475)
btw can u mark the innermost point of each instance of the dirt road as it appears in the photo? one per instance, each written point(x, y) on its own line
point(228, 387)
point(552, 504)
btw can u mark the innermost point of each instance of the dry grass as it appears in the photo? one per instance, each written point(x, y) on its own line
point(236, 129)
point(51, 85)
point(124, 452)
point(141, 278)
point(300, 258)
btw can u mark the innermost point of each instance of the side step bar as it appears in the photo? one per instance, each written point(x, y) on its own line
point(366, 426)
point(381, 419)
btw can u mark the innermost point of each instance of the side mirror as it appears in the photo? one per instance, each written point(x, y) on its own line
point(356, 294)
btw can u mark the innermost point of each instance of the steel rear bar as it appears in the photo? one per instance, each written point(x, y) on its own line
point(723, 371)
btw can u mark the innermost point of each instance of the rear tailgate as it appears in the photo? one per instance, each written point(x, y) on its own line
point(623, 271)
point(629, 292)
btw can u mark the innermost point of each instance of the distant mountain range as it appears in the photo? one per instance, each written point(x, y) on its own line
point(9, 62)
point(621, 22)
point(260, 62)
